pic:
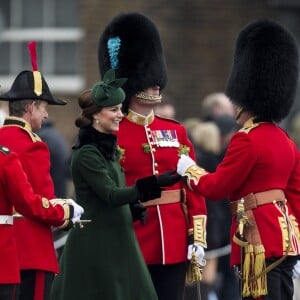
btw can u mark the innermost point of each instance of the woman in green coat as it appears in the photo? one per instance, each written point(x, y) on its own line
point(103, 260)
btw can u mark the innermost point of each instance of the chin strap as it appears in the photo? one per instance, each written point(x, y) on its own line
point(145, 96)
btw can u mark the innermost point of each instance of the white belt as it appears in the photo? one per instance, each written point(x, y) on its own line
point(6, 219)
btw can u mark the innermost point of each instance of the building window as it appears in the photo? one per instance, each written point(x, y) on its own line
point(54, 26)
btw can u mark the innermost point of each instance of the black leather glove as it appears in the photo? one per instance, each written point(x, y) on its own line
point(168, 178)
point(138, 212)
point(148, 188)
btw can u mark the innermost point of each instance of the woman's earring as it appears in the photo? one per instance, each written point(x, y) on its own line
point(97, 121)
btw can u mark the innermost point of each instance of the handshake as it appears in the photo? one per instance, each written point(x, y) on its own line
point(151, 187)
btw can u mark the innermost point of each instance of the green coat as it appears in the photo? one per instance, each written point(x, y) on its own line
point(102, 261)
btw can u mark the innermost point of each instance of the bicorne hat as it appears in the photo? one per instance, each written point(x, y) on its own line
point(131, 45)
point(31, 84)
point(265, 69)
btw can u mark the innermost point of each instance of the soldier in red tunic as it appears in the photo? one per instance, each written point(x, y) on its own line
point(16, 194)
point(152, 145)
point(261, 169)
point(28, 99)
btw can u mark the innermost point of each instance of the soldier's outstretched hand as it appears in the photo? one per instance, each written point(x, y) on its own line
point(184, 163)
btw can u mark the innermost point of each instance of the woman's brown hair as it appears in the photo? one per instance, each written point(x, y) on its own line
point(88, 109)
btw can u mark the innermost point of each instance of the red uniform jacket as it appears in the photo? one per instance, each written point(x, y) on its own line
point(259, 158)
point(16, 192)
point(34, 238)
point(154, 148)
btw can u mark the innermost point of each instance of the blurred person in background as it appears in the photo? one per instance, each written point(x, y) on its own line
point(166, 108)
point(190, 124)
point(226, 276)
point(59, 170)
point(216, 104)
point(59, 157)
point(217, 111)
point(131, 44)
point(207, 143)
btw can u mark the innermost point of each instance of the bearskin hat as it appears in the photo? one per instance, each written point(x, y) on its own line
point(265, 69)
point(131, 45)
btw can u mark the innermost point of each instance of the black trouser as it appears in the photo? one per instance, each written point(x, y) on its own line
point(280, 280)
point(9, 291)
point(34, 281)
point(228, 279)
point(169, 280)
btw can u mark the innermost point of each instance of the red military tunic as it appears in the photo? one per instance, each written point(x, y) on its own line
point(34, 238)
point(16, 192)
point(260, 157)
point(152, 145)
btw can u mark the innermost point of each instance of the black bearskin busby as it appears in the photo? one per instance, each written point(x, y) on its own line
point(264, 75)
point(131, 45)
point(23, 89)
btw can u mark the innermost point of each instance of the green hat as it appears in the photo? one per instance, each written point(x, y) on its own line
point(108, 92)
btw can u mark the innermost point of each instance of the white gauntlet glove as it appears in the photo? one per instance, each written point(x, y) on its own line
point(78, 210)
point(296, 270)
point(199, 251)
point(184, 163)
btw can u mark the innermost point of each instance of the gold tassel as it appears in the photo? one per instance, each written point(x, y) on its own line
point(37, 78)
point(260, 283)
point(194, 272)
point(247, 270)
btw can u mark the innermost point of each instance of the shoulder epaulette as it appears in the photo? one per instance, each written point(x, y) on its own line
point(249, 125)
point(4, 150)
point(249, 128)
point(19, 122)
point(35, 137)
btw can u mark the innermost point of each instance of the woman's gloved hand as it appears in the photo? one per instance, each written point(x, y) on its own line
point(138, 212)
point(151, 187)
point(168, 178)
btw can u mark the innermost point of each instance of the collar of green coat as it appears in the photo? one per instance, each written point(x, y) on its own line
point(106, 143)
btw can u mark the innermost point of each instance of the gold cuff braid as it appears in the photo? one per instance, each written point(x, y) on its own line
point(200, 230)
point(194, 173)
point(65, 205)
